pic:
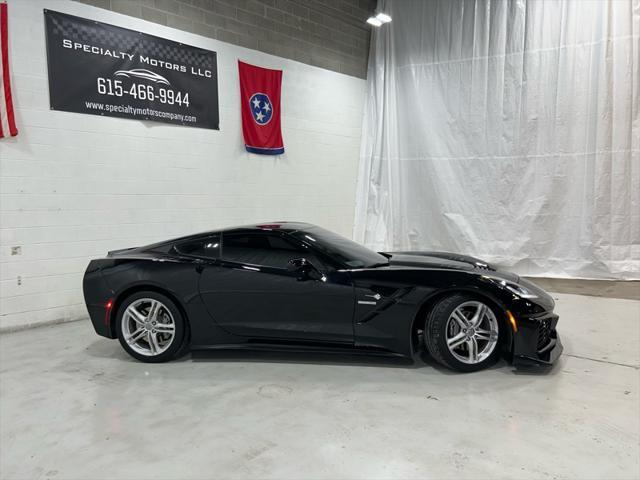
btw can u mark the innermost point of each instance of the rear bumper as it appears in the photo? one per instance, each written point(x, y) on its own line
point(537, 341)
point(99, 300)
point(100, 319)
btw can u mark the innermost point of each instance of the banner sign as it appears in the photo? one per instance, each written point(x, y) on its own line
point(102, 69)
point(260, 109)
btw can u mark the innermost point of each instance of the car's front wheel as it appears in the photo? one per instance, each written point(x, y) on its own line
point(150, 327)
point(463, 333)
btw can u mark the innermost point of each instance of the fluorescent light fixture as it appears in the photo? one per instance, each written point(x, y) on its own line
point(383, 17)
point(374, 21)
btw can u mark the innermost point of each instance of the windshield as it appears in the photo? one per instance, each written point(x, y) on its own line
point(340, 248)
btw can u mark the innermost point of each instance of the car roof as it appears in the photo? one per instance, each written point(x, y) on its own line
point(287, 227)
point(282, 226)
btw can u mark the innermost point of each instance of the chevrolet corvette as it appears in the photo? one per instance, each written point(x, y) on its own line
point(296, 286)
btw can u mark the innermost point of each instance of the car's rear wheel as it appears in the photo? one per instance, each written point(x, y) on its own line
point(150, 327)
point(463, 333)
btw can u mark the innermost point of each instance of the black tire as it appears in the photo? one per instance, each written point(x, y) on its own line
point(435, 335)
point(178, 345)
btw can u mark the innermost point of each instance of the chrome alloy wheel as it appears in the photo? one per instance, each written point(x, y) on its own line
point(148, 327)
point(472, 332)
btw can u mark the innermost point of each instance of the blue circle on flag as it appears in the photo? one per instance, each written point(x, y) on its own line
point(261, 108)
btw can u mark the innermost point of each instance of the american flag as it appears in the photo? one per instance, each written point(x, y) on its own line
point(7, 120)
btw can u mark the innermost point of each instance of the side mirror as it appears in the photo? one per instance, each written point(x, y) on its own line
point(296, 264)
point(304, 268)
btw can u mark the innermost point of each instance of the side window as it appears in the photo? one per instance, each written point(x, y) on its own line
point(208, 247)
point(259, 249)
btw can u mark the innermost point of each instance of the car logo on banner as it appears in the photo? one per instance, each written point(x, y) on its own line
point(143, 74)
point(261, 108)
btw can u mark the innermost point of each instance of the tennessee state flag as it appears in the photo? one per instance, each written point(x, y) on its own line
point(260, 108)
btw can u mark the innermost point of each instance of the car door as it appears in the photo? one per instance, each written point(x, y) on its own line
point(252, 293)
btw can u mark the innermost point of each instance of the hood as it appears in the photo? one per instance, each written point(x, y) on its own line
point(452, 261)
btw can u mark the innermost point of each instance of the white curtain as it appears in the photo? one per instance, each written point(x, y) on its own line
point(508, 130)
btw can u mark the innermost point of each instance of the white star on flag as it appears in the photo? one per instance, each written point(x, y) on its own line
point(266, 107)
point(259, 116)
point(256, 103)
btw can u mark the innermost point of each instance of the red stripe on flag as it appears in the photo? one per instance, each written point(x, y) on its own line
point(4, 54)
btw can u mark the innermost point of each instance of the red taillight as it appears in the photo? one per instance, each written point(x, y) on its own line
point(107, 310)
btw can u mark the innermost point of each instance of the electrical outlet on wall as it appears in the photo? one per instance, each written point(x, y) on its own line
point(19, 280)
point(16, 250)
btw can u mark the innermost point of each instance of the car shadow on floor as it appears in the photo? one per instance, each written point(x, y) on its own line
point(422, 361)
point(300, 357)
point(110, 349)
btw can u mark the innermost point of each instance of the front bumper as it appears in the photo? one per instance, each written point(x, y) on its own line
point(537, 341)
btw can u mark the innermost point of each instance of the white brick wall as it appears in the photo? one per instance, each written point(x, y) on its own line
point(73, 186)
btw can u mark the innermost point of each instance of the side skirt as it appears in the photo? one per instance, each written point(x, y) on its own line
point(301, 348)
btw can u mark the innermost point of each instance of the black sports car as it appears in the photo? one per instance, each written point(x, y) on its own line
point(298, 286)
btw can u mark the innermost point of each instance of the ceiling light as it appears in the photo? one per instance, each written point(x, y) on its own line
point(383, 17)
point(374, 21)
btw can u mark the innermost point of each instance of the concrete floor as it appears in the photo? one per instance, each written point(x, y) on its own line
point(75, 406)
